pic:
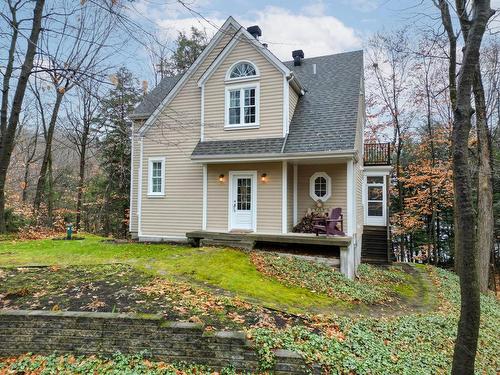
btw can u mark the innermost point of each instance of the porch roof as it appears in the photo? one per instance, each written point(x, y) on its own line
point(239, 147)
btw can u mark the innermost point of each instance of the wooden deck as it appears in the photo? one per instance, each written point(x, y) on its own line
point(248, 240)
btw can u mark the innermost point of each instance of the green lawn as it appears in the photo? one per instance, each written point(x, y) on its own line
point(225, 268)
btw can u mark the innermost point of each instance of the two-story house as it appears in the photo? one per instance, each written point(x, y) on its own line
point(243, 143)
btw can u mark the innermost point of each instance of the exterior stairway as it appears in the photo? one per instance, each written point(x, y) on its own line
point(375, 245)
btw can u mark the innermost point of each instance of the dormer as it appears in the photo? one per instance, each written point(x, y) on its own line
point(245, 92)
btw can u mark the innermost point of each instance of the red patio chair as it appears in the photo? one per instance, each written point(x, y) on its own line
point(328, 225)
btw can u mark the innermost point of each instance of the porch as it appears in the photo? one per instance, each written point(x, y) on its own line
point(249, 240)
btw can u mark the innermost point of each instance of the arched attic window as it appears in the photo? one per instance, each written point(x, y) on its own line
point(242, 69)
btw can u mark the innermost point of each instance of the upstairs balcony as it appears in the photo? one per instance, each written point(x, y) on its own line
point(377, 154)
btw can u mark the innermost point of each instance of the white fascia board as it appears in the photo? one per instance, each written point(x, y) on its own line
point(180, 84)
point(349, 154)
point(243, 33)
point(377, 170)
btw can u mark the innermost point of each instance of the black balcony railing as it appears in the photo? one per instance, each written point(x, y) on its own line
point(377, 154)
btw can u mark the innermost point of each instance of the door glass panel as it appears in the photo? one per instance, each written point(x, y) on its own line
point(244, 194)
point(375, 193)
point(375, 209)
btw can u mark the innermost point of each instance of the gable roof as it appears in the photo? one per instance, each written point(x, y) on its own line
point(325, 118)
point(153, 99)
point(243, 33)
point(230, 22)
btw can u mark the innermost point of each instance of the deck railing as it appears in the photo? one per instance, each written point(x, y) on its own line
point(377, 154)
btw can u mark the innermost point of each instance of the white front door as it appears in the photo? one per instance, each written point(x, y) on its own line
point(375, 198)
point(242, 200)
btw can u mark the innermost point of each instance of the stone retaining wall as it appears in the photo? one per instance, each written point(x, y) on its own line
point(85, 333)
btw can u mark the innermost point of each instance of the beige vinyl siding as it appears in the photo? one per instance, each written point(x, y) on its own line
point(271, 97)
point(268, 196)
point(338, 174)
point(294, 98)
point(174, 136)
point(290, 197)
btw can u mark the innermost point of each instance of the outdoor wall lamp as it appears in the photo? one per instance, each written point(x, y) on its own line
point(263, 177)
point(221, 178)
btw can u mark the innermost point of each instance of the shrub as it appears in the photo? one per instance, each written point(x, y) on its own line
point(15, 221)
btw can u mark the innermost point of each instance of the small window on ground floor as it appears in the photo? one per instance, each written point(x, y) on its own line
point(320, 186)
point(156, 176)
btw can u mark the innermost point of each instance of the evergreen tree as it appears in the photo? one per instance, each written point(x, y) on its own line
point(115, 148)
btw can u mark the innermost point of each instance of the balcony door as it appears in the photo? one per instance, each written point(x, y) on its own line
point(375, 200)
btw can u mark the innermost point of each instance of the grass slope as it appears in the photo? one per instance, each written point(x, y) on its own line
point(224, 268)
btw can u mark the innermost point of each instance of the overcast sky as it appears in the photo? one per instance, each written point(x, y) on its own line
point(317, 27)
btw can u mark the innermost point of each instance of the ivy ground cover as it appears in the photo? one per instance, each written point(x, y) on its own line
point(396, 320)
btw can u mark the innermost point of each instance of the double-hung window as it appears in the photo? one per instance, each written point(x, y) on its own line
point(242, 106)
point(156, 176)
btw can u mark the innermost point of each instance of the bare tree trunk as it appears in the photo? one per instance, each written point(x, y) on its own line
point(81, 180)
point(40, 186)
point(50, 193)
point(465, 218)
point(29, 160)
point(485, 216)
point(9, 131)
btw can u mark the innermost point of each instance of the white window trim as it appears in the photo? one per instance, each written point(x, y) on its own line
point(254, 125)
point(228, 78)
point(328, 186)
point(152, 160)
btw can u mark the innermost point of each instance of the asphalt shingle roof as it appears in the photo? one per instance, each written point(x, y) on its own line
point(239, 147)
point(153, 99)
point(325, 117)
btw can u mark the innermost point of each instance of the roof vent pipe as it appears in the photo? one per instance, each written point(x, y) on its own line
point(297, 55)
point(255, 31)
point(314, 69)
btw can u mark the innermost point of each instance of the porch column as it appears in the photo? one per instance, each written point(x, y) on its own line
point(284, 196)
point(205, 198)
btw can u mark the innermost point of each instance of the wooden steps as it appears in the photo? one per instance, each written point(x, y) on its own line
point(375, 245)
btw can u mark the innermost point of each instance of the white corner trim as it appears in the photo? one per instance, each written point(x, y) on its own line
point(295, 193)
point(205, 197)
point(139, 189)
point(130, 210)
point(151, 160)
point(180, 84)
point(286, 106)
point(350, 198)
point(202, 127)
point(284, 196)
point(312, 180)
